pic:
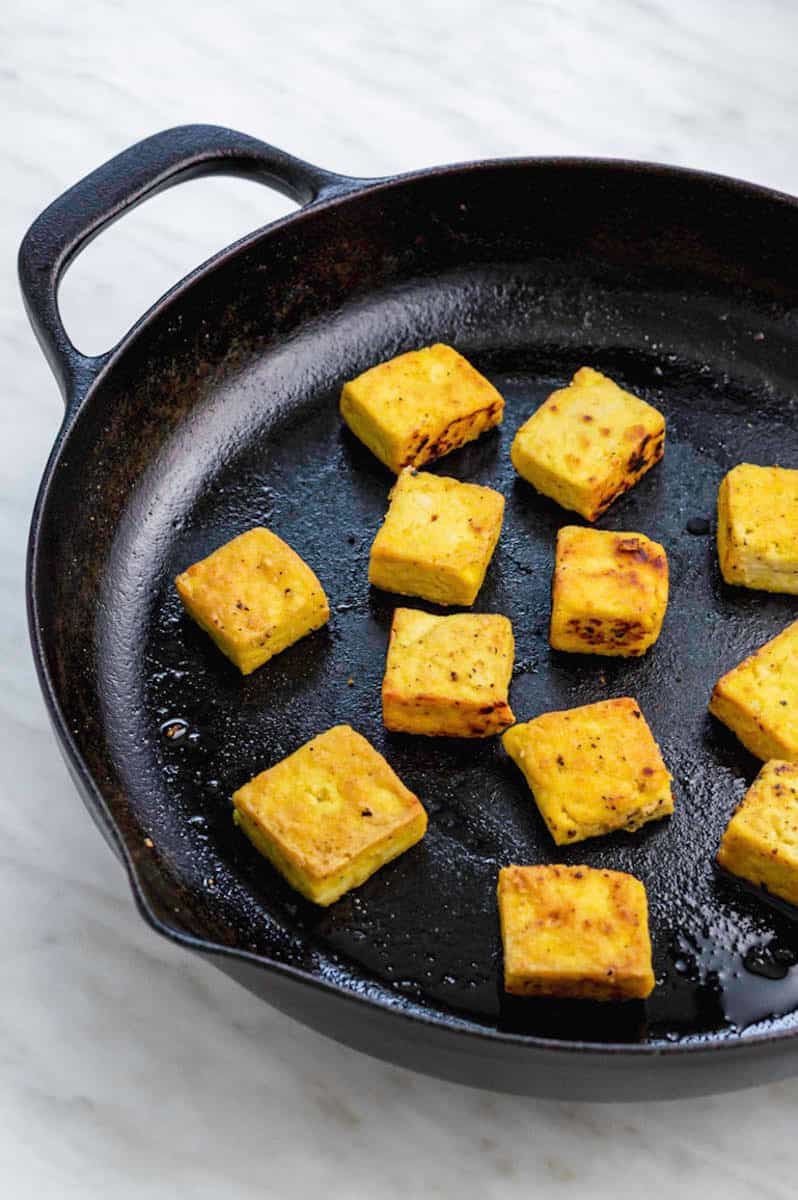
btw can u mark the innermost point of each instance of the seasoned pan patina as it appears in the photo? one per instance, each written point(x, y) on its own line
point(219, 411)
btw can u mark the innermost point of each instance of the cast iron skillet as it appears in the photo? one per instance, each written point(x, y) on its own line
point(219, 411)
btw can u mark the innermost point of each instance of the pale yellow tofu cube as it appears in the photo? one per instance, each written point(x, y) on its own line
point(758, 699)
point(588, 443)
point(593, 769)
point(609, 593)
point(330, 815)
point(255, 596)
point(448, 675)
point(758, 528)
point(419, 406)
point(437, 538)
point(761, 840)
point(574, 932)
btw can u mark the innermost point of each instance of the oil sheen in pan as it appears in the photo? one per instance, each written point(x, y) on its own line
point(722, 954)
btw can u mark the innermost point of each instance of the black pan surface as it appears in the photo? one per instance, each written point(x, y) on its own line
point(220, 412)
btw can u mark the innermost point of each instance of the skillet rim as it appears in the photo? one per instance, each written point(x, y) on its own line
point(337, 193)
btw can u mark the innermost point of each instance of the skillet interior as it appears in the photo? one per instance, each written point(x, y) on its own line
point(222, 412)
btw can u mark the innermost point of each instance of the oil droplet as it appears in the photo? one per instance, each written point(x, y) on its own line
point(174, 729)
point(750, 984)
point(759, 961)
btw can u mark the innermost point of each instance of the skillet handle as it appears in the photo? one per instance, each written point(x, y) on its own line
point(68, 225)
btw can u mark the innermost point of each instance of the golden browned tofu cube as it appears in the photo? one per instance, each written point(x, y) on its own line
point(592, 770)
point(609, 594)
point(448, 675)
point(588, 443)
point(437, 538)
point(758, 528)
point(574, 932)
point(254, 596)
point(758, 699)
point(421, 405)
point(761, 840)
point(330, 815)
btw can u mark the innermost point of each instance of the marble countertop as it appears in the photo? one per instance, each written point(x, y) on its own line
point(126, 1067)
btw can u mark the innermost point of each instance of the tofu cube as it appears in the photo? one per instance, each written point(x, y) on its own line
point(758, 699)
point(330, 815)
point(254, 596)
point(592, 770)
point(588, 443)
point(609, 594)
point(419, 406)
point(437, 538)
point(761, 840)
point(448, 675)
point(758, 528)
point(574, 932)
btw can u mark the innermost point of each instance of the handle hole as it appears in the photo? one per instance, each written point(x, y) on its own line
point(133, 262)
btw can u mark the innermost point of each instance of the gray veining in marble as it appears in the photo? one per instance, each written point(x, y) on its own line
point(126, 1068)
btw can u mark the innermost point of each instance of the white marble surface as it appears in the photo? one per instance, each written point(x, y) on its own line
point(127, 1068)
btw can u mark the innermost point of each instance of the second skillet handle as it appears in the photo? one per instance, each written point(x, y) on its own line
point(150, 166)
